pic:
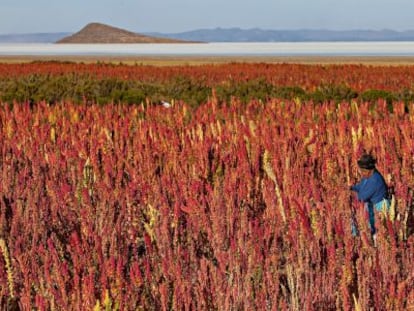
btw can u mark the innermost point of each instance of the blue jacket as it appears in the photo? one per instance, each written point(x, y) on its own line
point(371, 190)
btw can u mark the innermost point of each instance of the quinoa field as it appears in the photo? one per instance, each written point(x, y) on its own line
point(235, 197)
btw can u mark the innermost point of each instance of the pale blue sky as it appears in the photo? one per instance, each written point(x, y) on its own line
point(171, 16)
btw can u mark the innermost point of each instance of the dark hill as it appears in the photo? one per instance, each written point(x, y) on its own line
point(101, 33)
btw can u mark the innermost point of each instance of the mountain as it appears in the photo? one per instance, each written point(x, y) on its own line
point(33, 37)
point(101, 33)
point(303, 35)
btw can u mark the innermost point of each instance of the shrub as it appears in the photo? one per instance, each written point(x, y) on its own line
point(375, 95)
point(332, 92)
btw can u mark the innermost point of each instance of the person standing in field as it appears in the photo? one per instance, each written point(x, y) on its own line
point(372, 190)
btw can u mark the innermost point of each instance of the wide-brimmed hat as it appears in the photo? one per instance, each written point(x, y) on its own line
point(367, 162)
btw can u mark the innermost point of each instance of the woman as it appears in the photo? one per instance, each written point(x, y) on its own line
point(372, 189)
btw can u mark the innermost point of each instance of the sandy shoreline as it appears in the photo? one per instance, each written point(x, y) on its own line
point(198, 60)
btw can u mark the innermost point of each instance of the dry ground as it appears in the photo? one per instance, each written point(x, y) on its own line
point(198, 60)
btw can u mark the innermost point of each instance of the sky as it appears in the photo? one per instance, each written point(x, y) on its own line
point(174, 16)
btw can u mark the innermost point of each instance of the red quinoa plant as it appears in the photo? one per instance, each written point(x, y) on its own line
point(228, 206)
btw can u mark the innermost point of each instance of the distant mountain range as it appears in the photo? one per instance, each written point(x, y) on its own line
point(101, 33)
point(33, 37)
point(304, 35)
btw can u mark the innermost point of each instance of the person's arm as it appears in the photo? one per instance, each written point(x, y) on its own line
point(358, 186)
